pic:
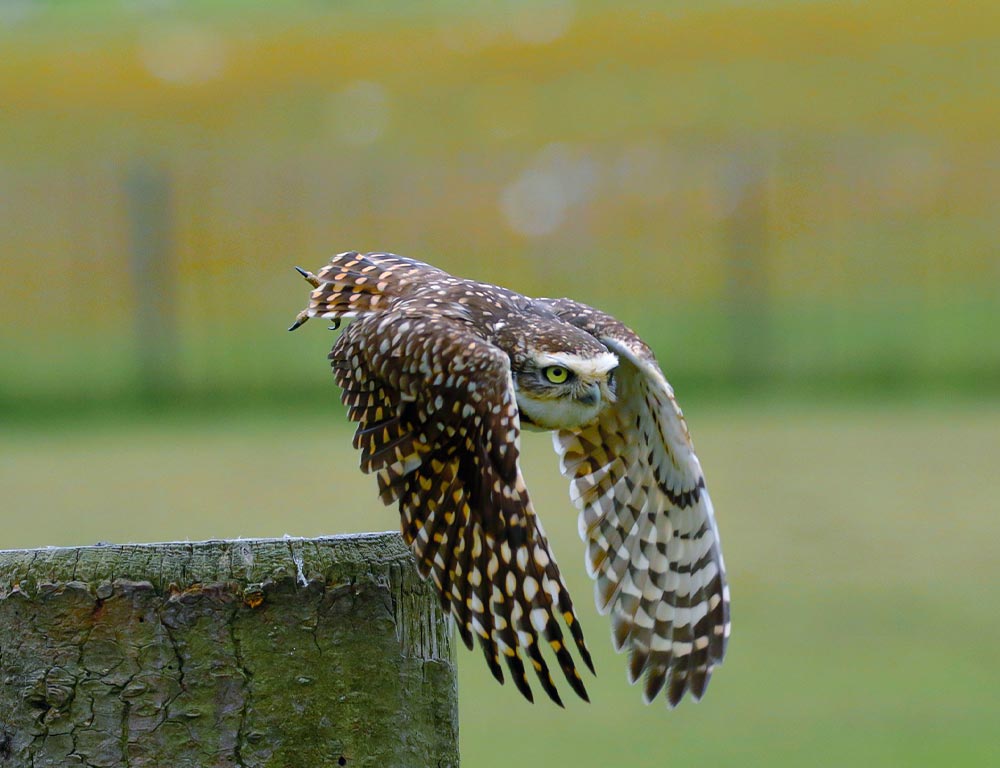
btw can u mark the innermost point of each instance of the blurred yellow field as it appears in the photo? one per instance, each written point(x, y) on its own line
point(790, 192)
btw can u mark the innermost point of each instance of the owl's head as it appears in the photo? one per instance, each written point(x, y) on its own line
point(563, 390)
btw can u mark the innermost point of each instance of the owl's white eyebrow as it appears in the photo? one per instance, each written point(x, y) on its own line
point(597, 365)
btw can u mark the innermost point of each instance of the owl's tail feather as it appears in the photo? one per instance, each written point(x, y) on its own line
point(355, 284)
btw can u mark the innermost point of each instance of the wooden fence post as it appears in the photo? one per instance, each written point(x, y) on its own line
point(281, 652)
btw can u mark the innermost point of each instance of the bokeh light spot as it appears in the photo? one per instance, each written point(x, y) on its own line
point(540, 23)
point(183, 54)
point(359, 113)
point(536, 203)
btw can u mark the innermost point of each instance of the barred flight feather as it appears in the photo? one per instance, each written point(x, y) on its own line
point(647, 521)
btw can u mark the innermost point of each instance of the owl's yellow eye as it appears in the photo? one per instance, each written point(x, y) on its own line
point(556, 374)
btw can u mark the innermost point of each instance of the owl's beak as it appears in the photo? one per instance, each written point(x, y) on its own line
point(607, 393)
point(590, 395)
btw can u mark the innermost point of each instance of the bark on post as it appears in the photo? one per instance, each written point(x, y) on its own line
point(279, 653)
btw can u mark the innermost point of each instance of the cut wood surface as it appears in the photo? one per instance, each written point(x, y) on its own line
point(278, 652)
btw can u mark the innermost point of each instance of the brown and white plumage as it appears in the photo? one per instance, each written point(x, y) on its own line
point(440, 373)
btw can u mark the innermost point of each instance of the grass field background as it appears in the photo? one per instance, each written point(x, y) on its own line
point(860, 541)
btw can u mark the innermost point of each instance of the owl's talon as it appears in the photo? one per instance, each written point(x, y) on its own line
point(309, 276)
point(301, 318)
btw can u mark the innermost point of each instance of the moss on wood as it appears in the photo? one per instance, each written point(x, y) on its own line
point(278, 653)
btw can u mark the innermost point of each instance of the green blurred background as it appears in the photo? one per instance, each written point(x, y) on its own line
point(796, 203)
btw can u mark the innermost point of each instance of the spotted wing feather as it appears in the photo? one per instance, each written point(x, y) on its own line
point(438, 425)
point(647, 521)
point(354, 284)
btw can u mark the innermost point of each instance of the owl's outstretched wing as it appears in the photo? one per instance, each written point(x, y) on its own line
point(647, 520)
point(438, 424)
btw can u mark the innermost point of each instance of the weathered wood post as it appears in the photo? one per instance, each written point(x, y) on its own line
point(283, 653)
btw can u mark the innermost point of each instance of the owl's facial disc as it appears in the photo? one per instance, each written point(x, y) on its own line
point(559, 390)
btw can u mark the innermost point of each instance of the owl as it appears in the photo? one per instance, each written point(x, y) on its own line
point(441, 374)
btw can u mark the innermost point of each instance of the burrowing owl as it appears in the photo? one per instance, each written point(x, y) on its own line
point(441, 373)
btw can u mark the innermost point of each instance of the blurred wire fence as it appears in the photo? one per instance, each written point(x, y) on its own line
point(801, 196)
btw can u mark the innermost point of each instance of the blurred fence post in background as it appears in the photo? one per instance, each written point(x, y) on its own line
point(743, 190)
point(148, 205)
point(260, 652)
